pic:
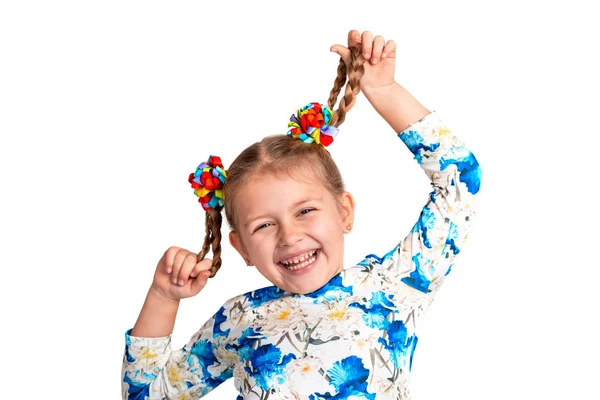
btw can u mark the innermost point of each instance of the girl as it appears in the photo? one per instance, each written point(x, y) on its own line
point(321, 331)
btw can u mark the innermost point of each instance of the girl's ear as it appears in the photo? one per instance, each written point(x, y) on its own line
point(236, 242)
point(347, 209)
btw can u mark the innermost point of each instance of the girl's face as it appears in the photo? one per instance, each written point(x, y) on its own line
point(293, 231)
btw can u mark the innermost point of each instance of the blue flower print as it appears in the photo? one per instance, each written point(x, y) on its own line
point(245, 344)
point(334, 284)
point(219, 319)
point(349, 377)
point(130, 358)
point(137, 390)
point(375, 316)
point(264, 295)
point(414, 142)
point(412, 351)
point(426, 221)
point(266, 366)
point(375, 259)
point(470, 172)
point(398, 342)
point(453, 234)
point(417, 278)
point(203, 352)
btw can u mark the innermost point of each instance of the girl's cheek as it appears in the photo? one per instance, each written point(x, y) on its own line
point(321, 225)
point(263, 245)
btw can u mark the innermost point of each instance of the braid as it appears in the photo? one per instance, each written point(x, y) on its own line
point(339, 82)
point(354, 73)
point(212, 238)
point(216, 243)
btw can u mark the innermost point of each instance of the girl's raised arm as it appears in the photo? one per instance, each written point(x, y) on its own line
point(424, 257)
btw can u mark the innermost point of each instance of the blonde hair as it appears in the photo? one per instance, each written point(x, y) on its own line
point(282, 154)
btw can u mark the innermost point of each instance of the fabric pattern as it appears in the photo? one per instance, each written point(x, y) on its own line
point(355, 337)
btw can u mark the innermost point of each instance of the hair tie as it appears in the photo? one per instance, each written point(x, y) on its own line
point(311, 124)
point(207, 182)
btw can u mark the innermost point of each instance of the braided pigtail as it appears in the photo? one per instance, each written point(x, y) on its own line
point(207, 182)
point(212, 239)
point(353, 72)
point(318, 123)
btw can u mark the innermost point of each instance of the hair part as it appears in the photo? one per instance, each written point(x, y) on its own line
point(282, 154)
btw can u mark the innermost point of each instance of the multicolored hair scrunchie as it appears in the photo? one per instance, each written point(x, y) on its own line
point(311, 124)
point(207, 182)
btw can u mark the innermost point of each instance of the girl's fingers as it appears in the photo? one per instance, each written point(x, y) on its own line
point(389, 50)
point(377, 49)
point(374, 49)
point(177, 264)
point(353, 38)
point(203, 265)
point(199, 282)
point(342, 51)
point(184, 272)
point(169, 256)
point(367, 44)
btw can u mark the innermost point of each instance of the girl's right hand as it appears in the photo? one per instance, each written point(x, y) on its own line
point(179, 274)
point(381, 57)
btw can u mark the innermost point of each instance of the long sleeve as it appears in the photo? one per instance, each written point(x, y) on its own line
point(151, 370)
point(425, 256)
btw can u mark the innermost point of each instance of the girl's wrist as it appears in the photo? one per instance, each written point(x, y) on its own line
point(396, 105)
point(158, 297)
point(157, 317)
point(379, 91)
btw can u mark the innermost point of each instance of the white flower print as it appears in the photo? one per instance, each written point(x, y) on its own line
point(339, 319)
point(278, 318)
point(361, 342)
point(386, 389)
point(306, 376)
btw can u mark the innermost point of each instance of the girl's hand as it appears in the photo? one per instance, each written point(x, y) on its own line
point(381, 58)
point(179, 274)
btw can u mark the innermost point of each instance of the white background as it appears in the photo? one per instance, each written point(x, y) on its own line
point(106, 107)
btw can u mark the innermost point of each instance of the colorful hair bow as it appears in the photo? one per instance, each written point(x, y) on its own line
point(208, 181)
point(311, 124)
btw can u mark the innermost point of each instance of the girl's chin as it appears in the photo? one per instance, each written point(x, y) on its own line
point(301, 282)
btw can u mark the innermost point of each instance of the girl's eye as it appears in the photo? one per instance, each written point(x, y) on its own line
point(262, 226)
point(266, 225)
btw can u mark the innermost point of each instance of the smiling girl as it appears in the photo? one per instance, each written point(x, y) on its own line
point(323, 330)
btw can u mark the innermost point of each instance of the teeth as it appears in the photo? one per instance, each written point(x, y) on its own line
point(296, 260)
point(300, 262)
point(304, 264)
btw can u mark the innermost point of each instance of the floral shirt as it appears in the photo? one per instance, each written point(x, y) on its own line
point(354, 338)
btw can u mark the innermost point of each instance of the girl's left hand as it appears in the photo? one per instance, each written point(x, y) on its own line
point(380, 58)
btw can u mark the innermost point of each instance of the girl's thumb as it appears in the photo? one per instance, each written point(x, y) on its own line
point(199, 282)
point(342, 51)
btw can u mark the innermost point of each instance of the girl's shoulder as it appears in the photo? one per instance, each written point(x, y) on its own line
point(251, 300)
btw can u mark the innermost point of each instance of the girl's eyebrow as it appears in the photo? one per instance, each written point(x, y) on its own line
point(296, 204)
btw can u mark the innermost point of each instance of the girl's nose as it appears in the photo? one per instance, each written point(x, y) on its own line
point(290, 234)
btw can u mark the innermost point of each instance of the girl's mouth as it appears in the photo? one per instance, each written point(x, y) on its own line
point(298, 264)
